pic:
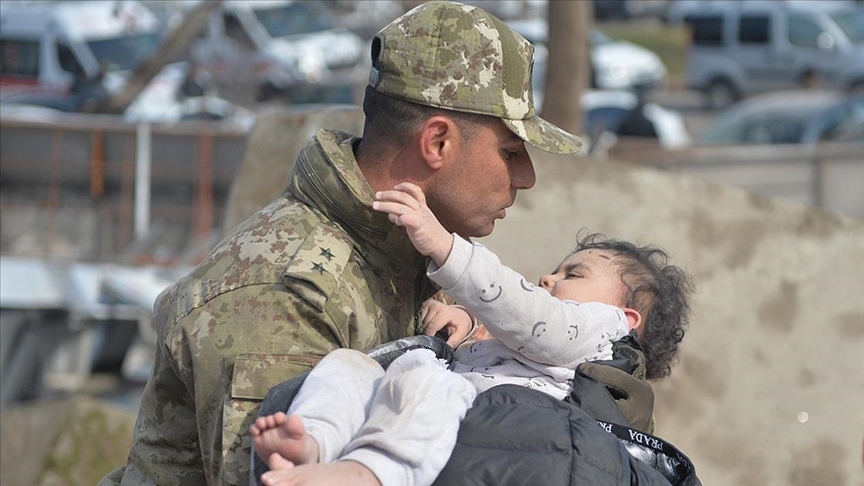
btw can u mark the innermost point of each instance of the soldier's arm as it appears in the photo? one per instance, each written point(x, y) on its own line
point(226, 350)
point(212, 370)
point(276, 336)
point(164, 442)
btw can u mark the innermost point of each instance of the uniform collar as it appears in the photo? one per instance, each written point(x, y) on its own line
point(326, 177)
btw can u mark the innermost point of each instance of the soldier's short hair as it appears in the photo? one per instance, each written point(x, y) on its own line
point(397, 121)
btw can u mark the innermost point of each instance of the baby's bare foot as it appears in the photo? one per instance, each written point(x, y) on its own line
point(277, 462)
point(339, 472)
point(286, 436)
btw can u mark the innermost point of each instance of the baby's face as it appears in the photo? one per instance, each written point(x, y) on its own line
point(587, 276)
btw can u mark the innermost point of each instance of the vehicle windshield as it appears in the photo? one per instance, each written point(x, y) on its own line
point(786, 126)
point(852, 23)
point(291, 19)
point(126, 52)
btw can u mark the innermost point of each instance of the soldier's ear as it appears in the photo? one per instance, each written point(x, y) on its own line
point(437, 142)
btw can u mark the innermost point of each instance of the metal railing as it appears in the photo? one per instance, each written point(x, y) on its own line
point(74, 185)
point(124, 181)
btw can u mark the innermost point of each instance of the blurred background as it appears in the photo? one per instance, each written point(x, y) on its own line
point(125, 127)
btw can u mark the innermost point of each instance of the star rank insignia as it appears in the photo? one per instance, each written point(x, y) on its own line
point(325, 252)
point(318, 268)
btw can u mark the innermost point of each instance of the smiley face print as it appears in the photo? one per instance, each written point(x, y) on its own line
point(490, 294)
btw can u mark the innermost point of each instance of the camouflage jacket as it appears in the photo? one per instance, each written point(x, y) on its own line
point(316, 270)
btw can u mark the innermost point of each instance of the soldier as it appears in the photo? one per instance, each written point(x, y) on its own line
point(448, 107)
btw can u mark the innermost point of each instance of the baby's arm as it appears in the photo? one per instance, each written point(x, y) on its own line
point(526, 318)
point(405, 205)
point(453, 321)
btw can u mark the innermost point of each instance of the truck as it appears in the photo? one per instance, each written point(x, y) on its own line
point(49, 49)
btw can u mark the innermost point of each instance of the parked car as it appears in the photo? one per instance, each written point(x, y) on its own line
point(789, 117)
point(286, 45)
point(46, 44)
point(82, 48)
point(605, 110)
point(616, 64)
point(741, 48)
point(611, 9)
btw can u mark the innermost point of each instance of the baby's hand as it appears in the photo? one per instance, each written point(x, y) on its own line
point(406, 206)
point(452, 321)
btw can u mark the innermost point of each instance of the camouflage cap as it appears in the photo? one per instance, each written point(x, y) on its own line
point(459, 57)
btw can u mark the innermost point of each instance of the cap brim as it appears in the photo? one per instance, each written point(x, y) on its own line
point(544, 135)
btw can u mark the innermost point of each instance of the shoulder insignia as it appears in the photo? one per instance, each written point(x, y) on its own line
point(313, 271)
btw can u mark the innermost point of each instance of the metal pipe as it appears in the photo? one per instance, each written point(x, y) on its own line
point(820, 168)
point(204, 214)
point(97, 165)
point(142, 181)
point(53, 203)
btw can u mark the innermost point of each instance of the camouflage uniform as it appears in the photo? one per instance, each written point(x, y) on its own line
point(316, 270)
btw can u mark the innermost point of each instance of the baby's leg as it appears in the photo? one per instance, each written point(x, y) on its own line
point(412, 425)
point(334, 400)
point(339, 472)
point(284, 435)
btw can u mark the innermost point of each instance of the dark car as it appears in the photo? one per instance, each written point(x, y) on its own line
point(611, 9)
point(789, 117)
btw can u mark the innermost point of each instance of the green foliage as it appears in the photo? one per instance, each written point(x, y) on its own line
point(670, 43)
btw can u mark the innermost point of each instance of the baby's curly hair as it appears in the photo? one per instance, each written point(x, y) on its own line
point(658, 290)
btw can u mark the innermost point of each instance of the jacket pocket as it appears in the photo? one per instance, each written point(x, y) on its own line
point(253, 376)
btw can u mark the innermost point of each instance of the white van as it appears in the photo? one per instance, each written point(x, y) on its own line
point(285, 44)
point(615, 63)
point(741, 48)
point(44, 45)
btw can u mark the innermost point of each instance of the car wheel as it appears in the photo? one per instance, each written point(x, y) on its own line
point(720, 94)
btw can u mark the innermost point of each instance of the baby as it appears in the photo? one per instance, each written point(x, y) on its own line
point(354, 422)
